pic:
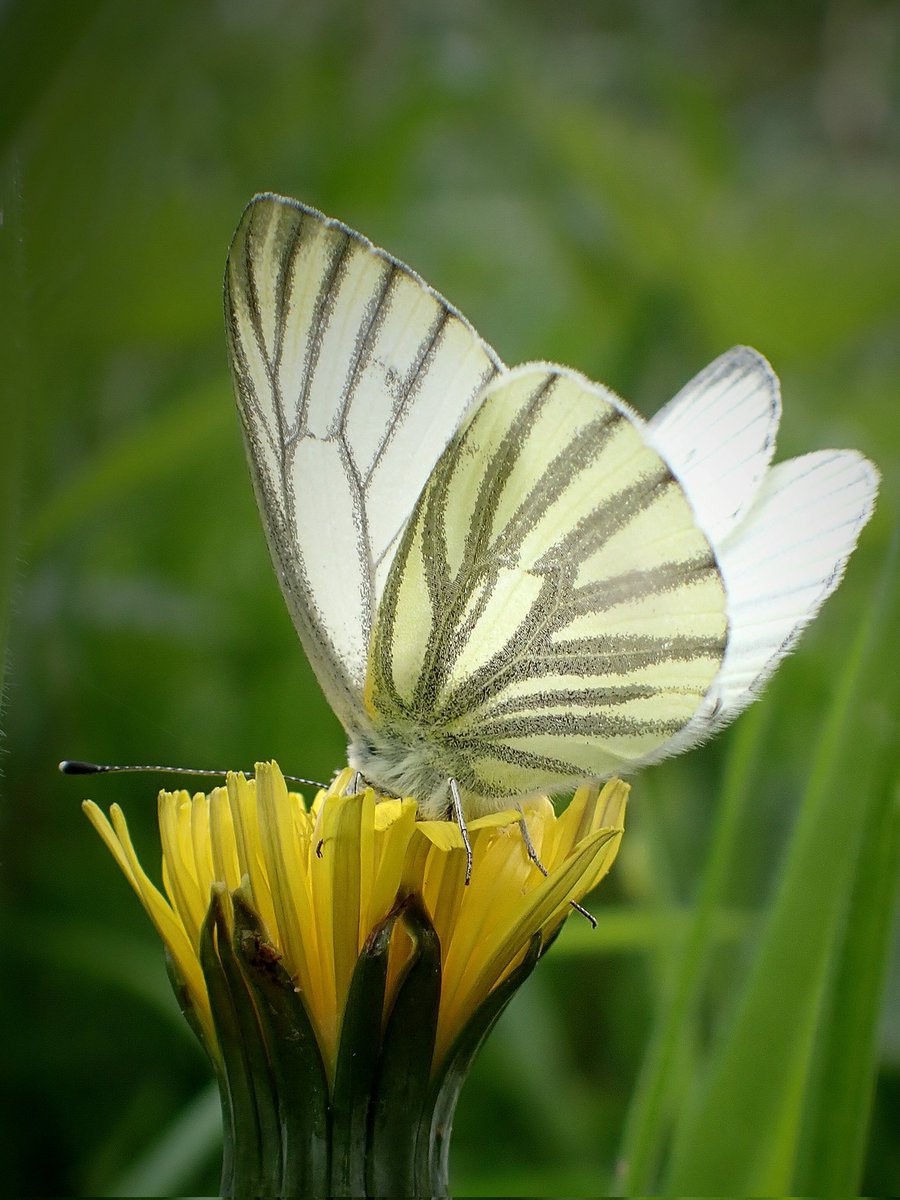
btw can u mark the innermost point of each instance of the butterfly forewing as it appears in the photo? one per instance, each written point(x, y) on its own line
point(351, 376)
point(553, 611)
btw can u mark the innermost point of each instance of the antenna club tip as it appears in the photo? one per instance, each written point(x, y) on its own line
point(74, 766)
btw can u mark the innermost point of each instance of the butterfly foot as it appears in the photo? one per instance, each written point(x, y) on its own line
point(584, 913)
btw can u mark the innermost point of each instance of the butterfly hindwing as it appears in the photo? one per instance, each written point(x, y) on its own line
point(351, 376)
point(786, 560)
point(554, 611)
point(718, 436)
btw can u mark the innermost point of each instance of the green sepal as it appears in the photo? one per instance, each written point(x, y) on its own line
point(265, 1180)
point(434, 1142)
point(295, 1061)
point(183, 996)
point(404, 1069)
point(387, 1127)
point(242, 1151)
point(357, 1062)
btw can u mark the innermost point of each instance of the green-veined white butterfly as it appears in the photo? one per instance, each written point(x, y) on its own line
point(508, 578)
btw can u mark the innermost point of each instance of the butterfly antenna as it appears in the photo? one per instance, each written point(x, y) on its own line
point(74, 766)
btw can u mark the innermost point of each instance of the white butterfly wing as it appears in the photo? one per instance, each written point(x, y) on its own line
point(718, 436)
point(782, 536)
point(784, 560)
point(554, 611)
point(351, 376)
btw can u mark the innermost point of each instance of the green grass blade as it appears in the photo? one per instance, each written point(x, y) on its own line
point(38, 37)
point(171, 1165)
point(755, 1093)
point(650, 1115)
point(627, 929)
point(169, 442)
point(839, 1101)
point(15, 403)
point(842, 1077)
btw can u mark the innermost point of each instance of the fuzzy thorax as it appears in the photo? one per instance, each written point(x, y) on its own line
point(405, 760)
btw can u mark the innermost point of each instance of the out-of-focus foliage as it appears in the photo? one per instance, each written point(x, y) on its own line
point(628, 188)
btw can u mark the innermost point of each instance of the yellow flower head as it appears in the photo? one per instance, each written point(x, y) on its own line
point(323, 879)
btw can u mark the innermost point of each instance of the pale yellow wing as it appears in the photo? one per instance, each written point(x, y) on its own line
point(553, 612)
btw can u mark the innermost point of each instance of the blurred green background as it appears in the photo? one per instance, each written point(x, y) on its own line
point(629, 188)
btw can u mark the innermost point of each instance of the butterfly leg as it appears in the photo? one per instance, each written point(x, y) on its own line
point(456, 805)
point(529, 844)
point(355, 784)
point(533, 855)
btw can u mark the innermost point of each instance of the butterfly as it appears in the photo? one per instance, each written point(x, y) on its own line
point(506, 580)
